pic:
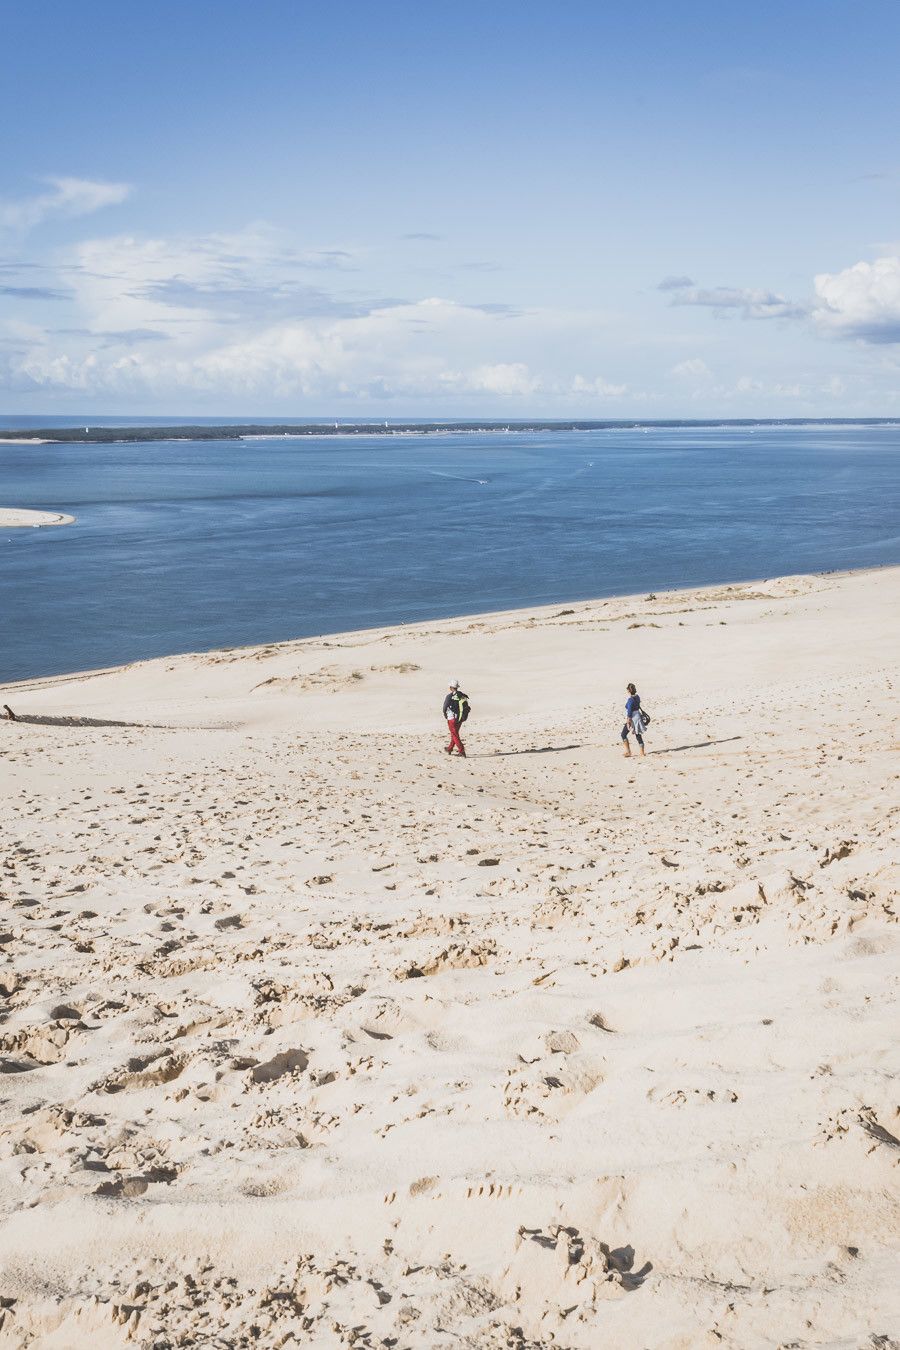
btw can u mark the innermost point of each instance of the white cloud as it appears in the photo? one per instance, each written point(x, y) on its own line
point(505, 377)
point(749, 302)
point(694, 368)
point(186, 283)
point(861, 302)
point(423, 351)
point(66, 197)
point(675, 283)
point(414, 349)
point(596, 388)
point(240, 320)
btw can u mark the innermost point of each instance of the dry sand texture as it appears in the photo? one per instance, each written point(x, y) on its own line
point(315, 1037)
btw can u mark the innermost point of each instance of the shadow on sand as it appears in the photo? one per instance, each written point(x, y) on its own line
point(45, 720)
point(701, 745)
point(538, 750)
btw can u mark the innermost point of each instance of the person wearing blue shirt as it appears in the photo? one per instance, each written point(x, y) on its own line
point(634, 721)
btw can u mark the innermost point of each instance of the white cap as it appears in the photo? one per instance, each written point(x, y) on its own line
point(454, 684)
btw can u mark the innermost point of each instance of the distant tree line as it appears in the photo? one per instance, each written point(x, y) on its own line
point(230, 432)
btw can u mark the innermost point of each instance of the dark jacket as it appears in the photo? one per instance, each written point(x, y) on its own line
point(456, 705)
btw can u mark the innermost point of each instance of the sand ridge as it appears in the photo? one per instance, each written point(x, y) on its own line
point(314, 1036)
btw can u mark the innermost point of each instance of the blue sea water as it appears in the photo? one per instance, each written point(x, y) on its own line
point(183, 546)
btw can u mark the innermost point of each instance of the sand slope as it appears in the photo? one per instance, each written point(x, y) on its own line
point(316, 1037)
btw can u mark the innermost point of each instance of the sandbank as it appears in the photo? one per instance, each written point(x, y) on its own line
point(12, 518)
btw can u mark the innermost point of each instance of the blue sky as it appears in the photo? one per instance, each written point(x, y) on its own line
point(508, 208)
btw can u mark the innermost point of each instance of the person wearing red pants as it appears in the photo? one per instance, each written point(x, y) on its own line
point(456, 710)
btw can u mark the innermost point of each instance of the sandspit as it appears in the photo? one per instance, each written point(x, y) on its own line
point(316, 1037)
point(12, 518)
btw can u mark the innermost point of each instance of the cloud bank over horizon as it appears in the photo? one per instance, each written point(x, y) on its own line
point(235, 314)
point(254, 317)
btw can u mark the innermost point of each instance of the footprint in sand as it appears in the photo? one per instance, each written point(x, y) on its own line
point(36, 1047)
point(551, 1087)
point(563, 1269)
point(286, 1062)
point(144, 1072)
point(691, 1096)
point(131, 1187)
point(458, 956)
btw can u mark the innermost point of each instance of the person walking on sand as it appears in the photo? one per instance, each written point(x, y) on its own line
point(635, 721)
point(456, 710)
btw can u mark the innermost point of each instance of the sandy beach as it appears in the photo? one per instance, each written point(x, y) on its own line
point(14, 518)
point(316, 1037)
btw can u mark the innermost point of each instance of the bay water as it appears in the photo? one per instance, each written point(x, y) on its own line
point(185, 546)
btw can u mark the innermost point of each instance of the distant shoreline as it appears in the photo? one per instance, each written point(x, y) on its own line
point(261, 431)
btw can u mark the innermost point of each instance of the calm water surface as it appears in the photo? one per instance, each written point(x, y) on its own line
point(185, 546)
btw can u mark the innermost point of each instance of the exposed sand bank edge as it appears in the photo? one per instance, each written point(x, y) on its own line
point(450, 624)
point(12, 518)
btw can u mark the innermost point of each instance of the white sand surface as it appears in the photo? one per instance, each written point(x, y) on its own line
point(12, 518)
point(316, 1037)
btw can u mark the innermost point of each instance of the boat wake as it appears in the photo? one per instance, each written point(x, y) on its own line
point(457, 477)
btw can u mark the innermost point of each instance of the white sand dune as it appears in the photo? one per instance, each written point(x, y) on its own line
point(316, 1037)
